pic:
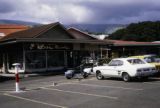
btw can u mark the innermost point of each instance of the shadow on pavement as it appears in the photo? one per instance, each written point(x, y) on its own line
point(140, 80)
point(3, 79)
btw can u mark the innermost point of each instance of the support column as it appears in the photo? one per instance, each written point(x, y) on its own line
point(4, 64)
point(46, 60)
point(24, 59)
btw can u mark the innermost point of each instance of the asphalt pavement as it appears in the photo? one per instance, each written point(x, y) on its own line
point(58, 92)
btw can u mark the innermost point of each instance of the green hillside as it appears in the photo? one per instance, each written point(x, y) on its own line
point(143, 31)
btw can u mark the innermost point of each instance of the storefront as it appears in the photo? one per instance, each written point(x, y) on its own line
point(51, 47)
point(131, 48)
point(50, 50)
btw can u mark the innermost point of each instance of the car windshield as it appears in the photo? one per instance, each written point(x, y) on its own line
point(136, 61)
point(150, 59)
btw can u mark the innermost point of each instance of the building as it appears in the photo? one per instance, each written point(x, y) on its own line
point(119, 48)
point(46, 48)
point(130, 48)
point(6, 29)
point(52, 47)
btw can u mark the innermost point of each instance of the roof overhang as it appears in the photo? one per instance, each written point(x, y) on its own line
point(46, 40)
point(122, 43)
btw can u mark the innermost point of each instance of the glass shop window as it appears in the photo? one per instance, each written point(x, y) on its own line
point(55, 59)
point(35, 60)
point(16, 57)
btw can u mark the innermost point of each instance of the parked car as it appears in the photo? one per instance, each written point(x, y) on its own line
point(150, 58)
point(125, 68)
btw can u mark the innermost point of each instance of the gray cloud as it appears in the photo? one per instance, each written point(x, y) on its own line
point(124, 13)
point(81, 11)
point(6, 7)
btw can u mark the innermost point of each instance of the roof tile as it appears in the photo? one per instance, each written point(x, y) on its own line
point(29, 33)
point(79, 34)
point(8, 29)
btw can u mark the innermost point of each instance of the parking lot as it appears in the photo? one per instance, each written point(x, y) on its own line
point(58, 92)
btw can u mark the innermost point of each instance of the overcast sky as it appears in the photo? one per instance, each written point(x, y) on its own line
point(81, 11)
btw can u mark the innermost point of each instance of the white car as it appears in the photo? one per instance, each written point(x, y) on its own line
point(125, 68)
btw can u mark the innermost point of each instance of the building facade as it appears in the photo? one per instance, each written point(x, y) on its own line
point(52, 47)
point(46, 48)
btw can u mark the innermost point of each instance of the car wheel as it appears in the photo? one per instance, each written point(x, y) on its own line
point(84, 74)
point(99, 76)
point(126, 77)
point(68, 77)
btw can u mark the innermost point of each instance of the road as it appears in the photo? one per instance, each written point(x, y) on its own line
point(58, 92)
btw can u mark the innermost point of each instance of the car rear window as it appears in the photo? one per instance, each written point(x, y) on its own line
point(136, 61)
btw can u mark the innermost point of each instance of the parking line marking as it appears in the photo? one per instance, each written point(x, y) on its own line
point(35, 101)
point(110, 97)
point(151, 83)
point(136, 89)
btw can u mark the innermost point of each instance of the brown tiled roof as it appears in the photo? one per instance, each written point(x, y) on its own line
point(30, 33)
point(11, 28)
point(79, 34)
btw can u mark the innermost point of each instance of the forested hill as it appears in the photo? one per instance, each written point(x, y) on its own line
point(142, 31)
point(18, 22)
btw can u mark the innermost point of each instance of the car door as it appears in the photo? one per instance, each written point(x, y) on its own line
point(118, 68)
point(113, 68)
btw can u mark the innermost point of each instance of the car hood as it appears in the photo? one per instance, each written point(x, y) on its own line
point(155, 64)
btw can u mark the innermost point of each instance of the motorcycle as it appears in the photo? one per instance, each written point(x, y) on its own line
point(84, 70)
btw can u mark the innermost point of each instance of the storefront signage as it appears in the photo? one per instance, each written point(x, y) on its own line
point(47, 46)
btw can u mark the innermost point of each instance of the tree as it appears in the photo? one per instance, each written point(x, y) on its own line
point(142, 31)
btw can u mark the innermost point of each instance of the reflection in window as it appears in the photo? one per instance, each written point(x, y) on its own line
point(16, 57)
point(150, 59)
point(55, 58)
point(116, 63)
point(35, 60)
point(136, 61)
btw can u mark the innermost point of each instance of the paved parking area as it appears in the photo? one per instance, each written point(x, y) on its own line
point(57, 92)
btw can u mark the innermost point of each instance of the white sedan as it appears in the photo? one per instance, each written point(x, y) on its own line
point(125, 68)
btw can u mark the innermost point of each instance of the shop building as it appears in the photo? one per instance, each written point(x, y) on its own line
point(51, 47)
point(119, 48)
point(132, 48)
point(46, 48)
